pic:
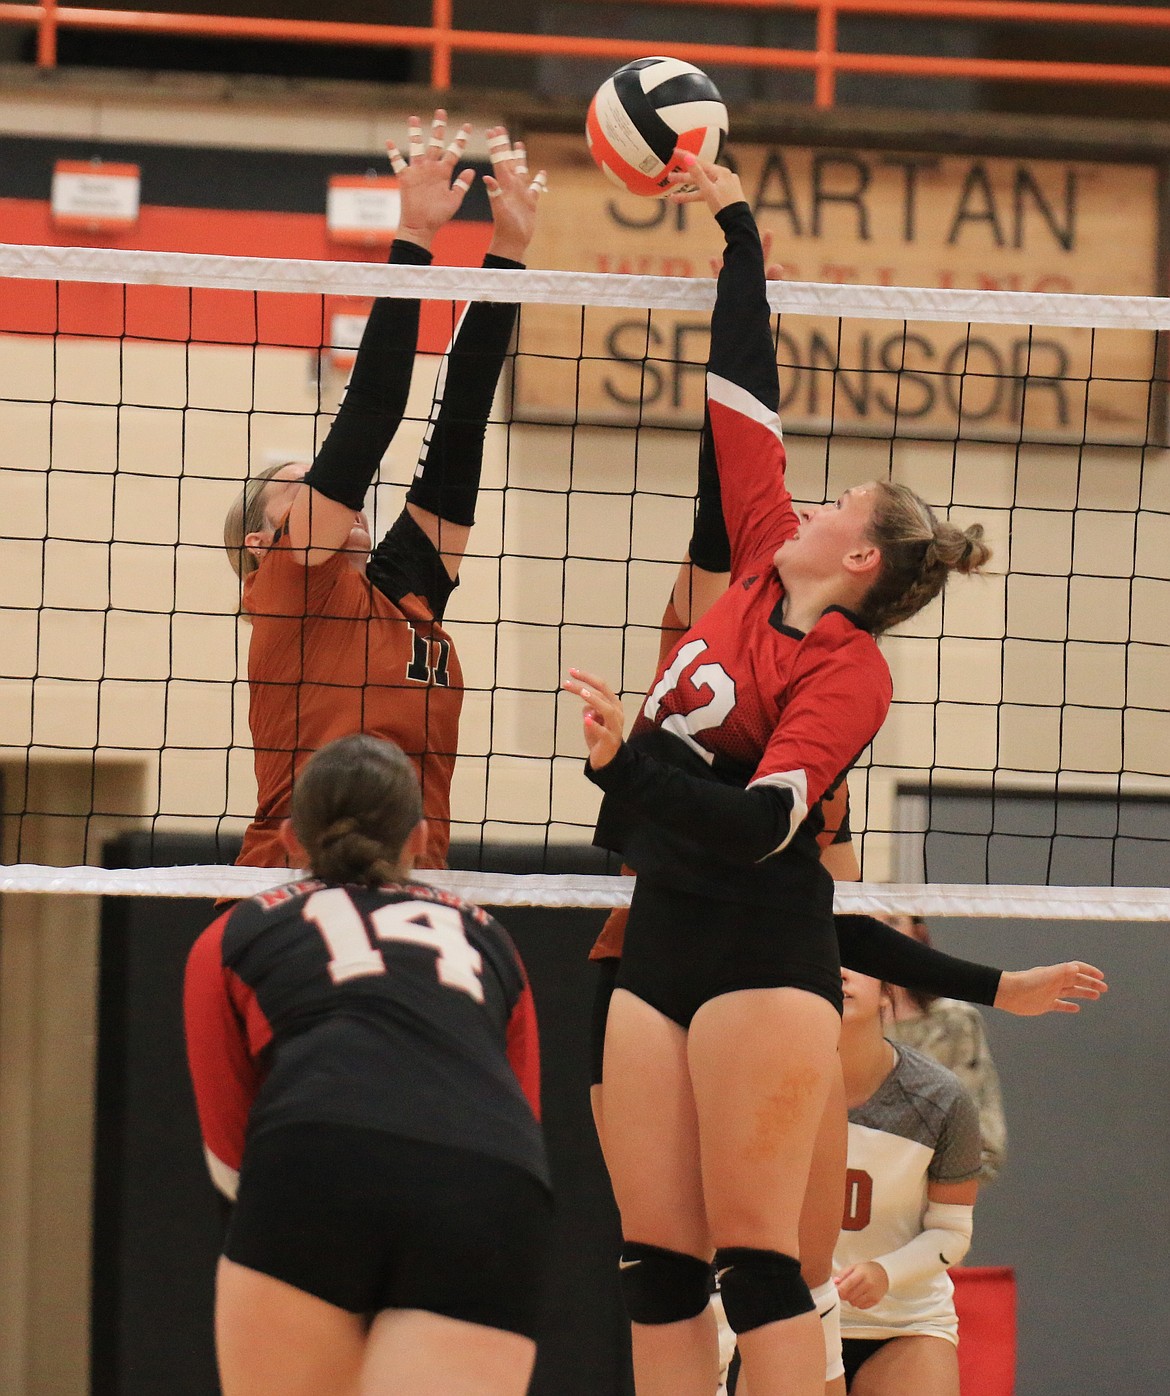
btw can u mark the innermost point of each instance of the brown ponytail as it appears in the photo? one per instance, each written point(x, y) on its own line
point(919, 551)
point(355, 803)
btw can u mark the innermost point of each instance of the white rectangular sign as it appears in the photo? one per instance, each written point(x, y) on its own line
point(363, 209)
point(95, 196)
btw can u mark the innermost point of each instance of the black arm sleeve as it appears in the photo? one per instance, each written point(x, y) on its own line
point(742, 350)
point(446, 480)
point(710, 546)
point(742, 826)
point(375, 400)
point(869, 946)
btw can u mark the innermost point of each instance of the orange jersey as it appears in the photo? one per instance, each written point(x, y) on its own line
point(329, 656)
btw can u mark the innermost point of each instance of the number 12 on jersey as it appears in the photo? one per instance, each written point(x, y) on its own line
point(352, 955)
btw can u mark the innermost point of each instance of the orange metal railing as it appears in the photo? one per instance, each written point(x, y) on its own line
point(825, 60)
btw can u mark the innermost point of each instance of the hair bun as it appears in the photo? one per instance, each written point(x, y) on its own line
point(958, 550)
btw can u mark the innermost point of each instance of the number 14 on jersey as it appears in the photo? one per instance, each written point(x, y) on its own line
point(353, 954)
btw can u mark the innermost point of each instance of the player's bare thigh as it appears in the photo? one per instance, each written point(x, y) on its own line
point(273, 1339)
point(762, 1062)
point(426, 1354)
point(916, 1365)
point(650, 1132)
point(820, 1217)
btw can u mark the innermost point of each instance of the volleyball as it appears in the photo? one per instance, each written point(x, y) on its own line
point(641, 113)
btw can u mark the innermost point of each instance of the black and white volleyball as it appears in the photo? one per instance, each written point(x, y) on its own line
point(645, 111)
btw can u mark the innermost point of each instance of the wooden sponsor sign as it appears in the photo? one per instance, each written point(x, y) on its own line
point(863, 217)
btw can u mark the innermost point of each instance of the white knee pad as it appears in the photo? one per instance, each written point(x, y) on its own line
point(829, 1312)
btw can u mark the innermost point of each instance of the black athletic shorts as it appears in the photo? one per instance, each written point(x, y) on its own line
point(602, 993)
point(681, 949)
point(368, 1221)
point(855, 1351)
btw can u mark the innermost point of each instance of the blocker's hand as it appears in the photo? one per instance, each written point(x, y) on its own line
point(429, 197)
point(513, 193)
point(715, 185)
point(1049, 988)
point(603, 719)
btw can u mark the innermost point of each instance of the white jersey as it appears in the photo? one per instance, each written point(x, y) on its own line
point(920, 1126)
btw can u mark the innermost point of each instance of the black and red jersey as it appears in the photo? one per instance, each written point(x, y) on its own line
point(397, 1008)
point(743, 700)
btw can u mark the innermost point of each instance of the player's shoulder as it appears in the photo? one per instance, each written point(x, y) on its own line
point(933, 1088)
point(839, 637)
point(249, 917)
point(280, 569)
point(914, 1102)
point(481, 928)
point(841, 629)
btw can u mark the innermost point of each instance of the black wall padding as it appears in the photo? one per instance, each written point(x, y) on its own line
point(157, 1219)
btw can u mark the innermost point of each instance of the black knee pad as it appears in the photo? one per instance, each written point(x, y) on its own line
point(661, 1286)
point(760, 1287)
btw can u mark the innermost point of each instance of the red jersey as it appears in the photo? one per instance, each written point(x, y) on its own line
point(397, 1008)
point(743, 699)
point(834, 814)
point(331, 655)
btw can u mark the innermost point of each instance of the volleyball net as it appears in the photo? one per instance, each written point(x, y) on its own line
point(1029, 739)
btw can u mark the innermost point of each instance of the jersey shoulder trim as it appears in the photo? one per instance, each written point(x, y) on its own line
point(736, 399)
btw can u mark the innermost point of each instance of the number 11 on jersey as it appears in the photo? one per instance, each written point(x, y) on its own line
point(352, 955)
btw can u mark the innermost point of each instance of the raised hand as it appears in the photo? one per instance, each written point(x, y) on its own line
point(715, 185)
point(603, 719)
point(429, 197)
point(514, 196)
point(1049, 988)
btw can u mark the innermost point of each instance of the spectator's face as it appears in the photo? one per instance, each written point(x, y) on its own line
point(863, 997)
point(907, 926)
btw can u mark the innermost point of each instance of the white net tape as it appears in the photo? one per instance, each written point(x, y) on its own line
point(112, 266)
point(595, 891)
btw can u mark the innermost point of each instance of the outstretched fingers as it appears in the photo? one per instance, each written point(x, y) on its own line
point(1050, 988)
point(603, 716)
point(1084, 981)
point(435, 150)
point(459, 143)
point(514, 196)
point(414, 138)
point(430, 197)
point(397, 161)
point(586, 685)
